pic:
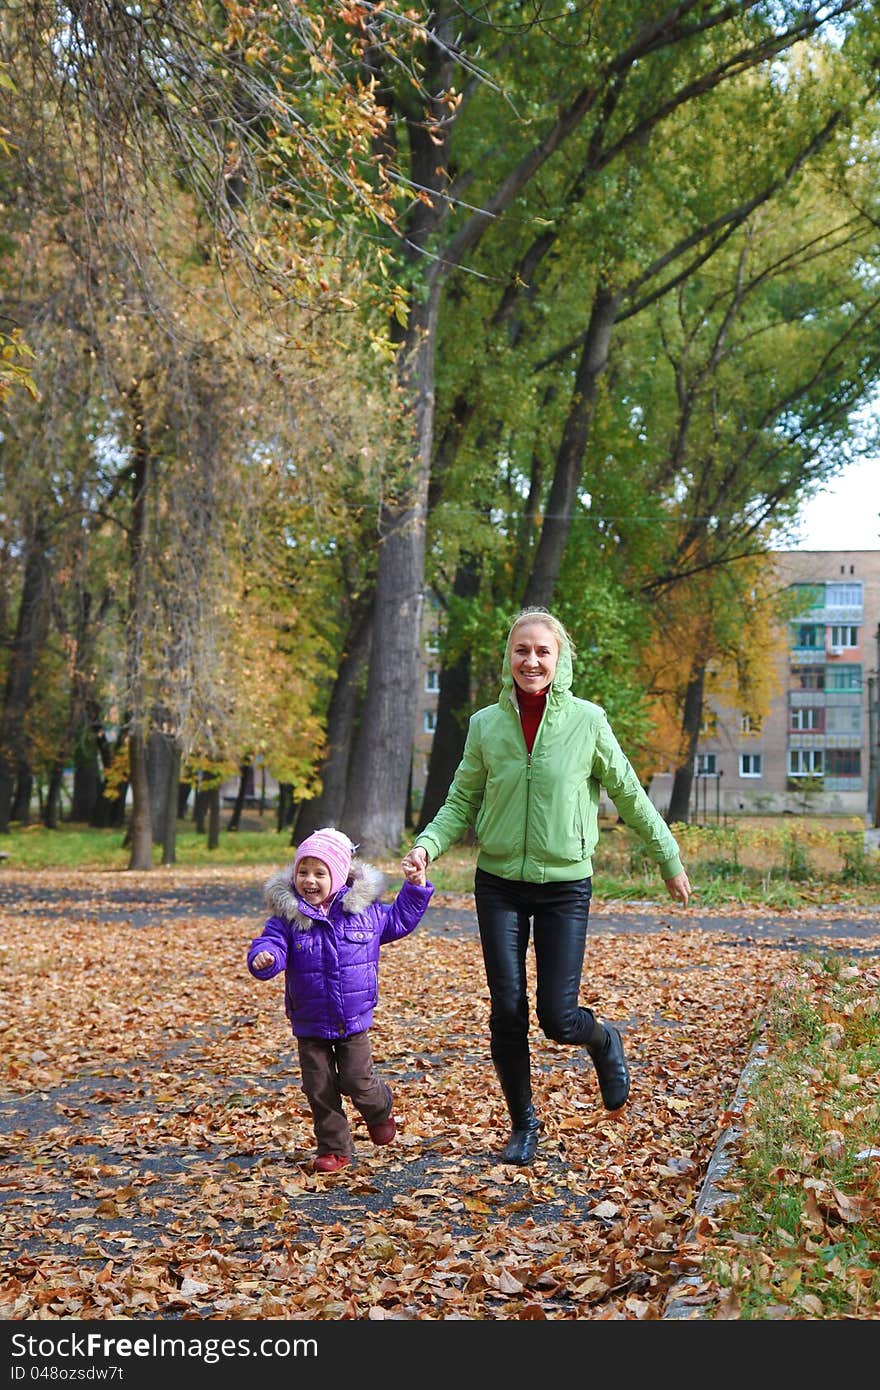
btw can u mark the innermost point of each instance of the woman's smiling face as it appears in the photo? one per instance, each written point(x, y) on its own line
point(534, 653)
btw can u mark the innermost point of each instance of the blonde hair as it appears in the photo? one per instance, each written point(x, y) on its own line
point(542, 615)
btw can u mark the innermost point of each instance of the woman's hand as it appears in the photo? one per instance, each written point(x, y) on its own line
point(679, 888)
point(415, 873)
point(416, 861)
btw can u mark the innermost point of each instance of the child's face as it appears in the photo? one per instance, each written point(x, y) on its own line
point(312, 881)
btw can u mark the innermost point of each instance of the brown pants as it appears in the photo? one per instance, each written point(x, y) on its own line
point(331, 1069)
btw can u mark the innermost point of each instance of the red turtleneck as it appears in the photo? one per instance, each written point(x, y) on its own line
point(531, 707)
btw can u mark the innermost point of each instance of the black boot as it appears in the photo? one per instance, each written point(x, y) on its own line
point(523, 1142)
point(516, 1083)
point(611, 1068)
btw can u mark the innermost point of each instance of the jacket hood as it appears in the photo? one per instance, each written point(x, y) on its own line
point(562, 678)
point(364, 885)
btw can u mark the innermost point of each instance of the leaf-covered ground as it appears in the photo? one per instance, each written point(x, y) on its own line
point(157, 1146)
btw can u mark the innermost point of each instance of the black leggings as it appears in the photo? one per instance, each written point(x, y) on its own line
point(560, 912)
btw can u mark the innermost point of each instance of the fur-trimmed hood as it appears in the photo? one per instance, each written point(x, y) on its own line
point(365, 884)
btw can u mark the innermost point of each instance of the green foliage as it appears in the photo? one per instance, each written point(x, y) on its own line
point(772, 863)
point(795, 859)
point(859, 864)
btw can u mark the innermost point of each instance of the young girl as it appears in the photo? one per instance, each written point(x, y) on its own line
point(325, 933)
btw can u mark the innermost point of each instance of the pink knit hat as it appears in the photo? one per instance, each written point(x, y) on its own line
point(333, 849)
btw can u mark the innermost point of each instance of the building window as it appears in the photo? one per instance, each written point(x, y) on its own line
point(750, 765)
point(805, 762)
point(705, 765)
point(809, 636)
point(429, 721)
point(843, 762)
point(843, 596)
point(844, 635)
point(809, 677)
point(844, 677)
point(432, 641)
point(844, 719)
point(749, 725)
point(432, 680)
point(805, 718)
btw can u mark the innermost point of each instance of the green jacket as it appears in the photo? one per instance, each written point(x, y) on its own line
point(536, 817)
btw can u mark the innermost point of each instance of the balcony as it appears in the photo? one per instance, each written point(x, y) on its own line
point(831, 613)
point(802, 738)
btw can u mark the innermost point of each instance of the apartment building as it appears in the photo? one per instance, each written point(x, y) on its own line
point(816, 749)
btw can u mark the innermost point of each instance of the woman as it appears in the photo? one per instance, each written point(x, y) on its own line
point(528, 784)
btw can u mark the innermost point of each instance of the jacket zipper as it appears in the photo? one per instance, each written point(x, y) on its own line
point(526, 822)
point(528, 779)
point(528, 788)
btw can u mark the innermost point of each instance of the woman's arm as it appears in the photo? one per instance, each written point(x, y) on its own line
point(617, 775)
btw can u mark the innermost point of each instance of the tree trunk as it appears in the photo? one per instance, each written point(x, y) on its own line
point(86, 782)
point(244, 780)
point(51, 809)
point(328, 807)
point(453, 707)
point(163, 768)
point(213, 795)
point(375, 807)
point(169, 838)
point(285, 797)
point(85, 740)
point(24, 791)
point(570, 456)
point(692, 719)
point(108, 811)
point(200, 809)
point(141, 828)
point(29, 633)
point(449, 736)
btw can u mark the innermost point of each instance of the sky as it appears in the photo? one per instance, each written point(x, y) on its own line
point(846, 516)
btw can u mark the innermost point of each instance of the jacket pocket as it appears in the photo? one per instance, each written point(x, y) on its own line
point(578, 829)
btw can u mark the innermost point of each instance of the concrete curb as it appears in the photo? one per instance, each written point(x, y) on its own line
point(681, 1301)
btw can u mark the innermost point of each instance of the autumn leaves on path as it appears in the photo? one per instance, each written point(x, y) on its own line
point(157, 1142)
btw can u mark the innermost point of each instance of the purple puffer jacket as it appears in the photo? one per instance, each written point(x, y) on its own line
point(331, 963)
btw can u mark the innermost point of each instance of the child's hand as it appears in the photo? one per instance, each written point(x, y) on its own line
point(262, 959)
point(415, 866)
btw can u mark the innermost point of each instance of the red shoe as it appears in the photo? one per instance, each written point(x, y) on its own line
point(331, 1163)
point(383, 1133)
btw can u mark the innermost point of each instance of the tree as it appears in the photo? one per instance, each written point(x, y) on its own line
point(635, 72)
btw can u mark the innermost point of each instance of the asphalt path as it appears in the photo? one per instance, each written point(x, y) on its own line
point(142, 906)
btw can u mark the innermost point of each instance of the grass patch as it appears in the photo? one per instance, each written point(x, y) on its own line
point(81, 847)
point(801, 1236)
point(783, 865)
